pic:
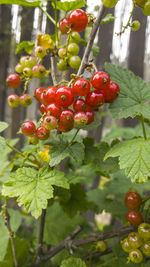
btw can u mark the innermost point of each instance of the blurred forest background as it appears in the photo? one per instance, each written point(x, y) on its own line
point(17, 24)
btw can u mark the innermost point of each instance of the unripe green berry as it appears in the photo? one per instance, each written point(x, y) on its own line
point(135, 25)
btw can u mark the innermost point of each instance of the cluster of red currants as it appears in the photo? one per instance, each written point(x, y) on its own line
point(133, 201)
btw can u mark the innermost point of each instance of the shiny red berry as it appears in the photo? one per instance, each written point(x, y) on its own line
point(95, 99)
point(134, 217)
point(42, 133)
point(13, 80)
point(132, 200)
point(65, 128)
point(64, 96)
point(80, 118)
point(79, 105)
point(50, 122)
point(78, 20)
point(28, 128)
point(42, 108)
point(54, 110)
point(67, 117)
point(13, 100)
point(81, 87)
point(90, 115)
point(49, 94)
point(38, 92)
point(64, 25)
point(111, 92)
point(100, 80)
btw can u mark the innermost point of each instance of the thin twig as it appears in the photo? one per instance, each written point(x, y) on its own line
point(53, 73)
point(91, 40)
point(69, 243)
point(11, 235)
point(41, 233)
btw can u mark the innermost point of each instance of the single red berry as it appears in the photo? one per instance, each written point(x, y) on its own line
point(64, 96)
point(13, 80)
point(42, 108)
point(42, 99)
point(42, 133)
point(90, 115)
point(81, 87)
point(133, 200)
point(111, 92)
point(78, 20)
point(65, 128)
point(80, 118)
point(28, 128)
point(13, 101)
point(79, 105)
point(134, 217)
point(25, 100)
point(95, 99)
point(64, 25)
point(67, 117)
point(100, 80)
point(50, 122)
point(38, 92)
point(49, 94)
point(54, 110)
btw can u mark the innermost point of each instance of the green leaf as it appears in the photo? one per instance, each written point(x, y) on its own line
point(33, 188)
point(15, 219)
point(26, 45)
point(69, 5)
point(3, 126)
point(73, 262)
point(2, 143)
point(134, 157)
point(134, 94)
point(29, 3)
point(54, 232)
point(4, 238)
point(109, 17)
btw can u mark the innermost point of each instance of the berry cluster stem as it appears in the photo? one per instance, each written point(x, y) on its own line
point(143, 127)
point(48, 15)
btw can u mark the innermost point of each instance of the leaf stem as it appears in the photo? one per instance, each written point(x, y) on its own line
point(41, 233)
point(11, 235)
point(73, 137)
point(143, 127)
point(48, 15)
point(56, 29)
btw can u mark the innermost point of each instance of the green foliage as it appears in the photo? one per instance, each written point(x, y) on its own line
point(3, 126)
point(26, 45)
point(73, 262)
point(4, 238)
point(68, 5)
point(58, 225)
point(134, 157)
point(33, 188)
point(109, 17)
point(134, 94)
point(28, 3)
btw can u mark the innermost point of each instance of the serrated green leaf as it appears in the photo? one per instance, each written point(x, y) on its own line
point(134, 157)
point(109, 17)
point(73, 262)
point(28, 3)
point(3, 126)
point(54, 232)
point(4, 238)
point(2, 143)
point(26, 45)
point(15, 219)
point(134, 94)
point(33, 188)
point(69, 5)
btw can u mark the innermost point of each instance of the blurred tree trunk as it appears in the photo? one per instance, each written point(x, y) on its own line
point(5, 37)
point(137, 53)
point(18, 114)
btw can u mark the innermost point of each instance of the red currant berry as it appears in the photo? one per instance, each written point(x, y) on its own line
point(50, 122)
point(25, 100)
point(40, 51)
point(95, 99)
point(146, 248)
point(42, 108)
point(74, 62)
point(101, 246)
point(144, 231)
point(73, 49)
point(134, 217)
point(78, 20)
point(64, 25)
point(125, 245)
point(81, 87)
point(136, 256)
point(13, 101)
point(13, 80)
point(62, 65)
point(132, 200)
point(42, 133)
point(54, 110)
point(135, 240)
point(111, 92)
point(65, 128)
point(38, 71)
point(27, 72)
point(33, 140)
point(28, 128)
point(100, 80)
point(38, 92)
point(19, 68)
point(80, 118)
point(90, 115)
point(64, 96)
point(79, 105)
point(67, 117)
point(28, 61)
